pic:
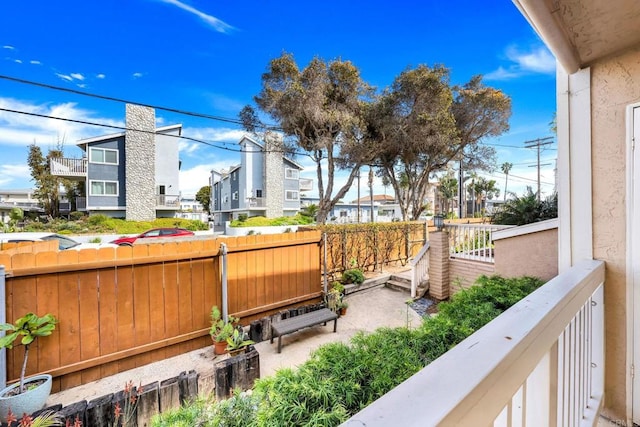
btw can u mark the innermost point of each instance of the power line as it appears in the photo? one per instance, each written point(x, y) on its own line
point(124, 128)
point(111, 98)
point(538, 143)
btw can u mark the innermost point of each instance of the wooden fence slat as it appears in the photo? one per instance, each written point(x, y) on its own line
point(89, 321)
point(124, 314)
point(141, 308)
point(108, 318)
point(69, 325)
point(185, 302)
point(171, 305)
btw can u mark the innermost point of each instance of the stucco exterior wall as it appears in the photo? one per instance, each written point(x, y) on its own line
point(614, 85)
point(167, 162)
point(140, 163)
point(531, 254)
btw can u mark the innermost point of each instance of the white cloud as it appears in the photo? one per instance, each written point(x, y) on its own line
point(537, 60)
point(65, 77)
point(193, 179)
point(10, 171)
point(77, 76)
point(212, 21)
point(137, 75)
point(19, 61)
point(6, 46)
point(35, 62)
point(100, 76)
point(22, 129)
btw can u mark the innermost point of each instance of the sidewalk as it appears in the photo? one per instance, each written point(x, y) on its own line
point(368, 310)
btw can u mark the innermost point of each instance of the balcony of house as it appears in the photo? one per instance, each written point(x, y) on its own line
point(68, 168)
point(168, 201)
point(306, 184)
point(256, 202)
point(539, 363)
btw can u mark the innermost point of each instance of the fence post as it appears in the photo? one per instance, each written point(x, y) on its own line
point(3, 319)
point(439, 265)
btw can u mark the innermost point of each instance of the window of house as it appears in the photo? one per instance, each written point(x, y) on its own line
point(233, 175)
point(103, 188)
point(226, 199)
point(103, 155)
point(291, 195)
point(259, 194)
point(234, 196)
point(291, 173)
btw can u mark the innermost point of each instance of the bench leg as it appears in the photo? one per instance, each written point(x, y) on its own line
point(271, 335)
point(279, 343)
point(335, 325)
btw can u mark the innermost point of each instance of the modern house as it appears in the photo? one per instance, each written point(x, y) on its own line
point(132, 174)
point(192, 209)
point(567, 355)
point(265, 183)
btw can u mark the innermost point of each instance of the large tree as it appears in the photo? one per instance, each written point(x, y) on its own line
point(47, 186)
point(320, 108)
point(412, 132)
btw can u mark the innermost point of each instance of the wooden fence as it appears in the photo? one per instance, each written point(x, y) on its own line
point(127, 307)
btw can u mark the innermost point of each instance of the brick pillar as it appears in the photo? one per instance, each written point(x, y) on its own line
point(439, 265)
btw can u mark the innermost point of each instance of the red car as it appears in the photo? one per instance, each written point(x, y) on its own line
point(155, 232)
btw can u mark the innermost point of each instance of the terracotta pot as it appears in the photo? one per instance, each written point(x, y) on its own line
point(219, 347)
point(343, 311)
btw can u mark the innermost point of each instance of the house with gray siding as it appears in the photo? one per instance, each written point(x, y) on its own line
point(264, 183)
point(132, 174)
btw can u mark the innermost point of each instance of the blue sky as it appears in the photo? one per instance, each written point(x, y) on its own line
point(208, 57)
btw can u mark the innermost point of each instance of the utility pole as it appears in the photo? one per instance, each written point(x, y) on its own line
point(538, 144)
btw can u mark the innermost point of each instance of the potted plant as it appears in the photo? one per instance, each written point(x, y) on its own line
point(237, 341)
point(221, 330)
point(343, 307)
point(26, 396)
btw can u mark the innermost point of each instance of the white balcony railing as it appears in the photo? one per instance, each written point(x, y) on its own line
point(472, 241)
point(257, 202)
point(419, 268)
point(68, 167)
point(171, 201)
point(540, 363)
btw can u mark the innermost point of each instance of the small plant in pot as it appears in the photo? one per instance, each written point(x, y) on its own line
point(237, 341)
point(26, 396)
point(342, 307)
point(221, 330)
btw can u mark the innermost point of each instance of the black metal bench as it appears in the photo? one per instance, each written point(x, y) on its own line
point(301, 321)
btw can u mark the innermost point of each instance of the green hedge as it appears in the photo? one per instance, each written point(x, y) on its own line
point(340, 379)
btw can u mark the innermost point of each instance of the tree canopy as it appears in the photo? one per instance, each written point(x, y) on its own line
point(320, 107)
point(47, 186)
point(203, 196)
point(420, 124)
point(409, 131)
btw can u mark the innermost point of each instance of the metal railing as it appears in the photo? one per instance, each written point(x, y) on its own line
point(419, 268)
point(539, 363)
point(257, 202)
point(168, 200)
point(68, 167)
point(472, 241)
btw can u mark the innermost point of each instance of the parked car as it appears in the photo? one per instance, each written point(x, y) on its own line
point(155, 232)
point(64, 242)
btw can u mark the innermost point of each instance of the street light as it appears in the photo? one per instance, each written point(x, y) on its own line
point(438, 221)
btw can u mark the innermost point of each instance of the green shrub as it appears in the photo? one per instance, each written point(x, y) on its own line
point(97, 219)
point(76, 216)
point(353, 275)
